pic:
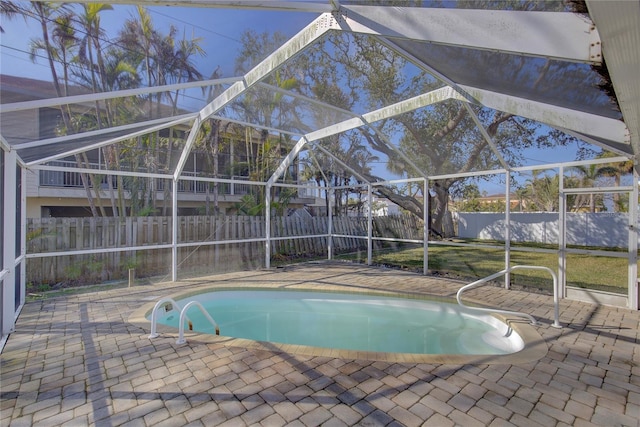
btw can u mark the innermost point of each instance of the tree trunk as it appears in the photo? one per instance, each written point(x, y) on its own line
point(216, 165)
point(616, 195)
point(441, 209)
point(112, 197)
point(44, 19)
point(87, 188)
point(448, 229)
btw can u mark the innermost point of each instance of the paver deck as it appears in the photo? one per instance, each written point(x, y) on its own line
point(78, 360)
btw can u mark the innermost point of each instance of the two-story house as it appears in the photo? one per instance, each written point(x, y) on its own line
point(59, 193)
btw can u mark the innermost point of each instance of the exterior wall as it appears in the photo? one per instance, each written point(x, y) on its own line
point(583, 229)
point(63, 189)
point(55, 194)
point(77, 198)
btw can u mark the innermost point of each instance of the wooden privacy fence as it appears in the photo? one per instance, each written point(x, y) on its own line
point(293, 237)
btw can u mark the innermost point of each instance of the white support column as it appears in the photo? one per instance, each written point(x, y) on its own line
point(388, 111)
point(425, 228)
point(562, 237)
point(267, 226)
point(9, 244)
point(23, 238)
point(330, 225)
point(370, 226)
point(507, 231)
point(633, 244)
point(174, 230)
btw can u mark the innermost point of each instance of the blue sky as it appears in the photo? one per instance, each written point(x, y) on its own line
point(220, 30)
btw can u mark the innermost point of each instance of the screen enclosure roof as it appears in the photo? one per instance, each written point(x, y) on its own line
point(541, 65)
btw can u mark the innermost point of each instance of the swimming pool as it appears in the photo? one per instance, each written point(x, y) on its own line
point(348, 321)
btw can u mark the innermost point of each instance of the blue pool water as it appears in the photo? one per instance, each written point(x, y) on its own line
point(350, 322)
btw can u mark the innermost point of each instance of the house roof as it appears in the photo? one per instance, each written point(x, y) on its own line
point(19, 89)
point(540, 65)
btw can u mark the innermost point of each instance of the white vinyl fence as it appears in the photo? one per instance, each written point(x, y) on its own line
point(603, 229)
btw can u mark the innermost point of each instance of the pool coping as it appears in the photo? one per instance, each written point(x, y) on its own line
point(534, 349)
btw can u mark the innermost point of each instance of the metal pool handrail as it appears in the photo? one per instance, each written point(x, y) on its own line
point(556, 309)
point(183, 314)
point(154, 314)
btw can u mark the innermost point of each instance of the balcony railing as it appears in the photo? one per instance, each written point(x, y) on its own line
point(68, 179)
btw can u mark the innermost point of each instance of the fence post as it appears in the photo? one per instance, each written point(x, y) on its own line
point(330, 228)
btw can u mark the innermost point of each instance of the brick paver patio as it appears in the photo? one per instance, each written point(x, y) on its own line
point(78, 360)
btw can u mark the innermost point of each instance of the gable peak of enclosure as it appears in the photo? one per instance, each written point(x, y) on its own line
point(367, 72)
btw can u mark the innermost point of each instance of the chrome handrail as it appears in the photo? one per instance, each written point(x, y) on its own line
point(183, 314)
point(556, 322)
point(154, 314)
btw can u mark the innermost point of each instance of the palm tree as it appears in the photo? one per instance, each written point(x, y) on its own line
point(141, 41)
point(143, 45)
point(8, 9)
point(176, 64)
point(145, 53)
point(46, 12)
point(264, 106)
point(94, 74)
point(60, 46)
point(521, 193)
point(270, 110)
point(90, 52)
point(589, 175)
point(160, 60)
point(543, 191)
point(212, 141)
point(620, 169)
point(64, 37)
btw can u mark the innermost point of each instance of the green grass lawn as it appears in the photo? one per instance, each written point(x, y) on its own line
point(465, 263)
point(583, 271)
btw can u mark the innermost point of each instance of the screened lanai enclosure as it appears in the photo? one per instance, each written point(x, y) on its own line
point(187, 138)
